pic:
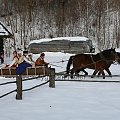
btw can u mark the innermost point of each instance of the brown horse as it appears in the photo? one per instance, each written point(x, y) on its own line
point(108, 64)
point(97, 62)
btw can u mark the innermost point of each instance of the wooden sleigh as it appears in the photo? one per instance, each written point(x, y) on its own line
point(39, 71)
point(30, 71)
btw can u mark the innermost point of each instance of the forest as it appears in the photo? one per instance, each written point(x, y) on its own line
point(99, 20)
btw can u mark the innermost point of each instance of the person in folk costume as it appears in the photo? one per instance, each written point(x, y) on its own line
point(19, 54)
point(40, 61)
point(29, 56)
point(14, 62)
point(23, 63)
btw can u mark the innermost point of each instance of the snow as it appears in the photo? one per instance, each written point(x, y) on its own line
point(117, 50)
point(59, 38)
point(67, 101)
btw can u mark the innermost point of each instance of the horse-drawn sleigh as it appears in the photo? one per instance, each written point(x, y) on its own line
point(98, 62)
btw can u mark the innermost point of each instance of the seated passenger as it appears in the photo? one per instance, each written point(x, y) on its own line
point(14, 62)
point(23, 63)
point(40, 61)
point(19, 54)
point(30, 55)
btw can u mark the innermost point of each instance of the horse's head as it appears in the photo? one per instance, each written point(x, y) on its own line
point(109, 54)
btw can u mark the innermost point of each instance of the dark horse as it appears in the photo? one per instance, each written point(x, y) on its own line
point(108, 64)
point(97, 62)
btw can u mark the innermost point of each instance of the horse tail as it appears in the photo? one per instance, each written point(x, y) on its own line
point(69, 64)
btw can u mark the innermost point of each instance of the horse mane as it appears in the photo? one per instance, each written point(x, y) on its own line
point(106, 53)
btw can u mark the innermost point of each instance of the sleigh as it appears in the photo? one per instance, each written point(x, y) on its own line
point(30, 71)
point(39, 71)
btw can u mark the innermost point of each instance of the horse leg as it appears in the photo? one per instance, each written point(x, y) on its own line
point(103, 74)
point(99, 73)
point(66, 74)
point(77, 72)
point(72, 72)
point(94, 73)
point(86, 73)
point(108, 71)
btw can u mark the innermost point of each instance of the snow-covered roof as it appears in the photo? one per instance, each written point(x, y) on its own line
point(59, 38)
point(3, 30)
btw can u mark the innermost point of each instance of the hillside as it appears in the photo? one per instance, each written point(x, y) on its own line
point(34, 19)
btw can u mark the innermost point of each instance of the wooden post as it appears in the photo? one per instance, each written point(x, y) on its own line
point(52, 78)
point(19, 87)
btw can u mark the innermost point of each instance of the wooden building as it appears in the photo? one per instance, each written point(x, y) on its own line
point(74, 45)
point(4, 34)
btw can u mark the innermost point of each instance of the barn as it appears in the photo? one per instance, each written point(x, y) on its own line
point(4, 33)
point(61, 44)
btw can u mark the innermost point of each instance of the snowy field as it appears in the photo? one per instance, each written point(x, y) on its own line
point(68, 101)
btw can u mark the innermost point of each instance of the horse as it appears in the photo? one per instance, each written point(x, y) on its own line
point(97, 62)
point(108, 64)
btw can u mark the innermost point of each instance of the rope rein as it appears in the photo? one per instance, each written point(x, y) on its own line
point(93, 61)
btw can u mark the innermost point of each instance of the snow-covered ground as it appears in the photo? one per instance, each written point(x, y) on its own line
point(68, 101)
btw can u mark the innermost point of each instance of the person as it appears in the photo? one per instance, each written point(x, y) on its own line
point(19, 54)
point(23, 63)
point(30, 55)
point(14, 62)
point(1, 57)
point(40, 61)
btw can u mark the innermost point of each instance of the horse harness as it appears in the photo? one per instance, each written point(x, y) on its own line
point(93, 60)
point(102, 58)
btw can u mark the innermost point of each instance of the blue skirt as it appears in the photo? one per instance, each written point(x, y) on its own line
point(22, 67)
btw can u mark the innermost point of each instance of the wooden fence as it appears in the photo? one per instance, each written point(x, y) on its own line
point(50, 72)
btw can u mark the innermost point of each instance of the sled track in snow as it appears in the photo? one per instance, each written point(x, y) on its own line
point(87, 78)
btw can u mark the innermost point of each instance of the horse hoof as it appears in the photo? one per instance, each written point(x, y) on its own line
point(65, 76)
point(77, 74)
point(92, 76)
point(71, 77)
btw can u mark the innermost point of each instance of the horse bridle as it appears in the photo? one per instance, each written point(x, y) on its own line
point(102, 58)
